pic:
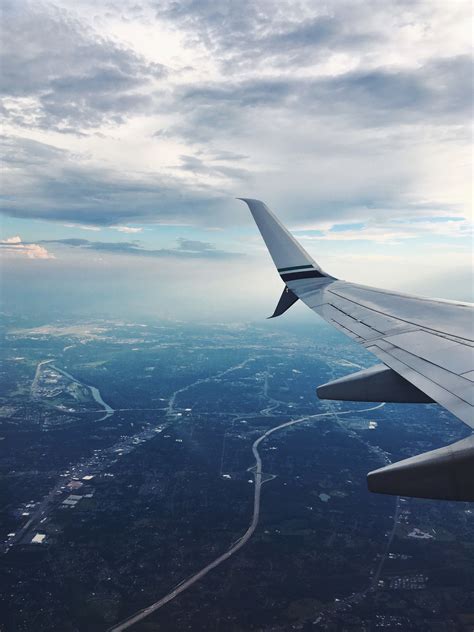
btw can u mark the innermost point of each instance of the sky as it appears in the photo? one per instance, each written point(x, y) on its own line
point(129, 128)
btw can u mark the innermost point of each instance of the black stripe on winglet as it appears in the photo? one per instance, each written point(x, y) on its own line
point(307, 274)
point(294, 268)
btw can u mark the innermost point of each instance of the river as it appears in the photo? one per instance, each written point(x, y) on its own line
point(109, 411)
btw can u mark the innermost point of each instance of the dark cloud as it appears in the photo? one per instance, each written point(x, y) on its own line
point(320, 32)
point(69, 242)
point(198, 165)
point(192, 245)
point(186, 249)
point(438, 93)
point(262, 46)
point(42, 181)
point(252, 34)
point(73, 78)
point(223, 155)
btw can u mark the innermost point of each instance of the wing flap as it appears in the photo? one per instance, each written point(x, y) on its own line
point(451, 355)
point(438, 393)
point(453, 383)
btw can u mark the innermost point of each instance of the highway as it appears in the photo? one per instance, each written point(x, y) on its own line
point(257, 474)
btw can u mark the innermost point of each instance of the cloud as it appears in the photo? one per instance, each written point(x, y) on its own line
point(43, 181)
point(309, 37)
point(127, 229)
point(186, 249)
point(251, 33)
point(192, 245)
point(437, 93)
point(201, 167)
point(228, 156)
point(63, 75)
point(350, 118)
point(83, 227)
point(14, 246)
point(393, 232)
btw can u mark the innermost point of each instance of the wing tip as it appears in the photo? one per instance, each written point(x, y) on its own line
point(250, 201)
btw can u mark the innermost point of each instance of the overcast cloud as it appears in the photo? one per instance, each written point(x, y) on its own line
point(351, 118)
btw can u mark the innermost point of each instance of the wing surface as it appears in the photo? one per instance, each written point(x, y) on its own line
point(430, 343)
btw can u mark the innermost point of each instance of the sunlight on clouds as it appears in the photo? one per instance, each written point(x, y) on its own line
point(14, 246)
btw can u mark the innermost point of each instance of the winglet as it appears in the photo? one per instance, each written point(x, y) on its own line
point(291, 260)
point(287, 299)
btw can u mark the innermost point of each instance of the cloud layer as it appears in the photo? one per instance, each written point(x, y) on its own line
point(350, 118)
point(282, 101)
point(62, 75)
point(186, 249)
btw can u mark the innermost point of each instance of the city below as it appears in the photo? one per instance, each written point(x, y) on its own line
point(163, 476)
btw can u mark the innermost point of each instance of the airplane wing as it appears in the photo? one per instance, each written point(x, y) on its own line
point(426, 348)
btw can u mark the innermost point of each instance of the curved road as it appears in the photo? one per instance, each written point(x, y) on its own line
point(184, 585)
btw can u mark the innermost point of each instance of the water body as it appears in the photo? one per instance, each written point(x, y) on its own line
point(109, 411)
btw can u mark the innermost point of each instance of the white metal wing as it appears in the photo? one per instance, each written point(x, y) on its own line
point(426, 346)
